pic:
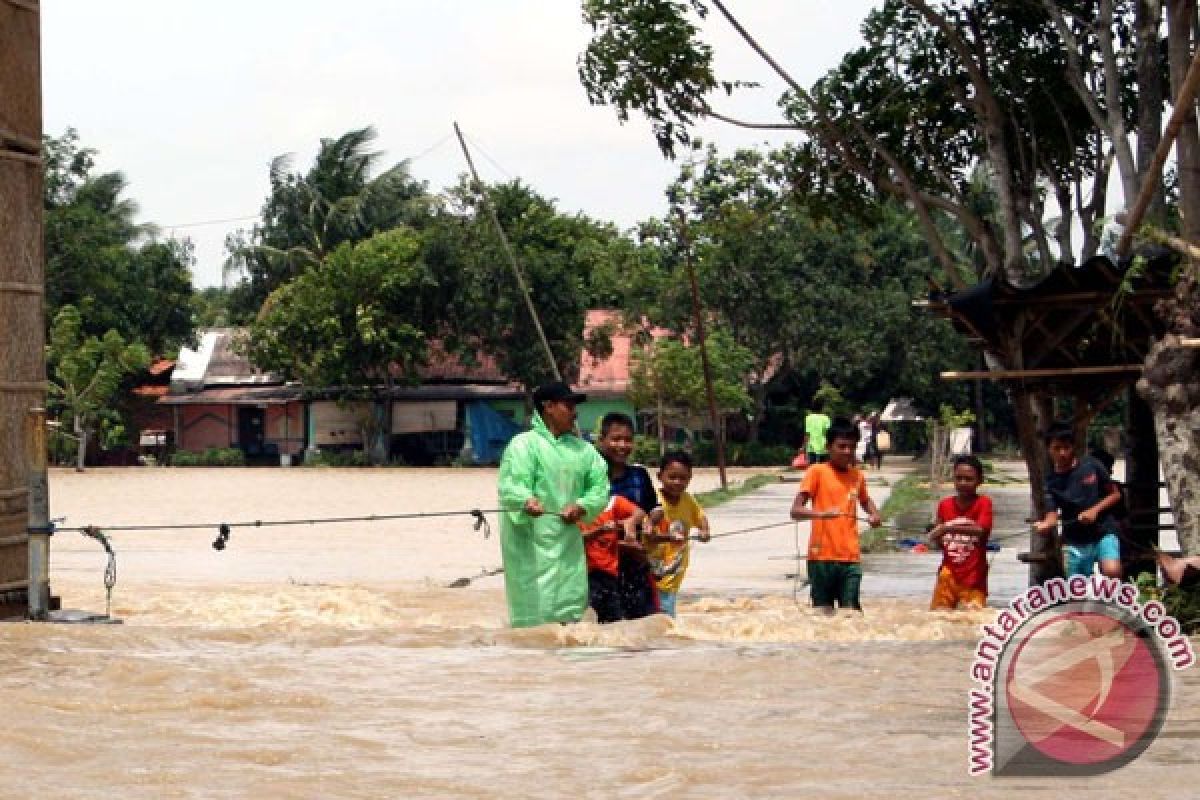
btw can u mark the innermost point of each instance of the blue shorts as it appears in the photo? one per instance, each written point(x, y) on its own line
point(666, 601)
point(1081, 558)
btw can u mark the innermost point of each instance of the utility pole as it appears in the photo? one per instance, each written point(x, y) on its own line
point(698, 321)
point(512, 259)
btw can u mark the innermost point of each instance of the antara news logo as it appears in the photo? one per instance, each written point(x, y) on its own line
point(1073, 678)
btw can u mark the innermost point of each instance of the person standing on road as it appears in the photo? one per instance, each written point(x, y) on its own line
point(549, 481)
point(816, 424)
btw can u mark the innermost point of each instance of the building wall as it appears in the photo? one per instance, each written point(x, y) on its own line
point(285, 427)
point(205, 426)
point(512, 408)
point(591, 412)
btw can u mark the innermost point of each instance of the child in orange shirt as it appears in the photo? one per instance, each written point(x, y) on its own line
point(616, 526)
point(834, 488)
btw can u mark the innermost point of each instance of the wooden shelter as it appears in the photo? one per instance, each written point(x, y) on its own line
point(22, 362)
point(1080, 334)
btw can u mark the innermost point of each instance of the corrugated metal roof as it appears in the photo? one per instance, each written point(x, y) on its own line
point(238, 396)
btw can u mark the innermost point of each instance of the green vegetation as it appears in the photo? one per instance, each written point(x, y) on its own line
point(909, 495)
point(212, 457)
point(85, 372)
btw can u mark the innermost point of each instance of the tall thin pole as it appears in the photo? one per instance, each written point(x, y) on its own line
point(512, 259)
point(698, 319)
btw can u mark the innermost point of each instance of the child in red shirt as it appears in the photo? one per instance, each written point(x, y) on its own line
point(964, 523)
point(613, 528)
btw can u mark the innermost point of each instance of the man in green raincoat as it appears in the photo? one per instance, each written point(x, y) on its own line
point(555, 479)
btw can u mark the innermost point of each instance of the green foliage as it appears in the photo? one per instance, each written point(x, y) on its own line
point(570, 262)
point(212, 457)
point(334, 458)
point(831, 400)
point(85, 373)
point(670, 371)
point(1181, 603)
point(307, 216)
point(99, 261)
point(744, 454)
point(949, 417)
point(356, 319)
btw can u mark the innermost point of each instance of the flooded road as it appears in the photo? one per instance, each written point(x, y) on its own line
point(304, 663)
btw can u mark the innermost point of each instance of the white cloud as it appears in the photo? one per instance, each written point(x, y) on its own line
point(192, 99)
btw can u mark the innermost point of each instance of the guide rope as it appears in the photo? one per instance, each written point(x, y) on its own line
point(110, 571)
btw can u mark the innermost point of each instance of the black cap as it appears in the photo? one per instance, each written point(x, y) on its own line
point(558, 390)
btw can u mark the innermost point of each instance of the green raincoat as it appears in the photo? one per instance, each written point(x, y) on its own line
point(545, 572)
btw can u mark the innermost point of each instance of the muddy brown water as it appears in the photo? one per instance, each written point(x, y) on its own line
point(314, 663)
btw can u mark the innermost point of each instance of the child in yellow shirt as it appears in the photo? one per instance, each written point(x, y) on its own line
point(681, 519)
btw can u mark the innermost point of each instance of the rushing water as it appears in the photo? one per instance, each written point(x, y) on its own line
point(271, 674)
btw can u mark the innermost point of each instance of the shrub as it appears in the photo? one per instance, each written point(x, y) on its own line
point(337, 458)
point(212, 457)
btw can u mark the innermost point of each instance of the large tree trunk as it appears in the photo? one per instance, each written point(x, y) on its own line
point(1148, 22)
point(1171, 386)
point(1181, 20)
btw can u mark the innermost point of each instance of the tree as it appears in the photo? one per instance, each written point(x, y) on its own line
point(1040, 95)
point(357, 321)
point(308, 215)
point(104, 264)
point(667, 375)
point(571, 263)
point(86, 372)
point(786, 280)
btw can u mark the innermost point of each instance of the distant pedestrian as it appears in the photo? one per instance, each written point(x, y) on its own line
point(816, 424)
point(879, 443)
point(550, 479)
point(863, 423)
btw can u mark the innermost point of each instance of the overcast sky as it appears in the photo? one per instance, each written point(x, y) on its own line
point(192, 99)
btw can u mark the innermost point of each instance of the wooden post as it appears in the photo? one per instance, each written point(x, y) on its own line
point(23, 503)
point(508, 253)
point(698, 320)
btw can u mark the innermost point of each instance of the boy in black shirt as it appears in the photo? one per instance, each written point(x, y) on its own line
point(1081, 491)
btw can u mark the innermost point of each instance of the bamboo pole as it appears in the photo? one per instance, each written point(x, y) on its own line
point(1182, 109)
point(698, 317)
point(1017, 374)
point(512, 259)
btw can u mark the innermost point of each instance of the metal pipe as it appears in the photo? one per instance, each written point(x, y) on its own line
point(40, 528)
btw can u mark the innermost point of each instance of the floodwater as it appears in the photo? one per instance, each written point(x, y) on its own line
point(333, 661)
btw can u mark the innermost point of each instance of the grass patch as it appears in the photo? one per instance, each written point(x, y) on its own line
point(716, 497)
point(909, 494)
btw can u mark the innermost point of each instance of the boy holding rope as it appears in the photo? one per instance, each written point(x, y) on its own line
point(964, 522)
point(833, 488)
point(1084, 494)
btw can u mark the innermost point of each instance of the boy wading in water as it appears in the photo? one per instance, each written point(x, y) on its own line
point(638, 593)
point(834, 488)
point(682, 519)
point(1084, 494)
point(964, 522)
